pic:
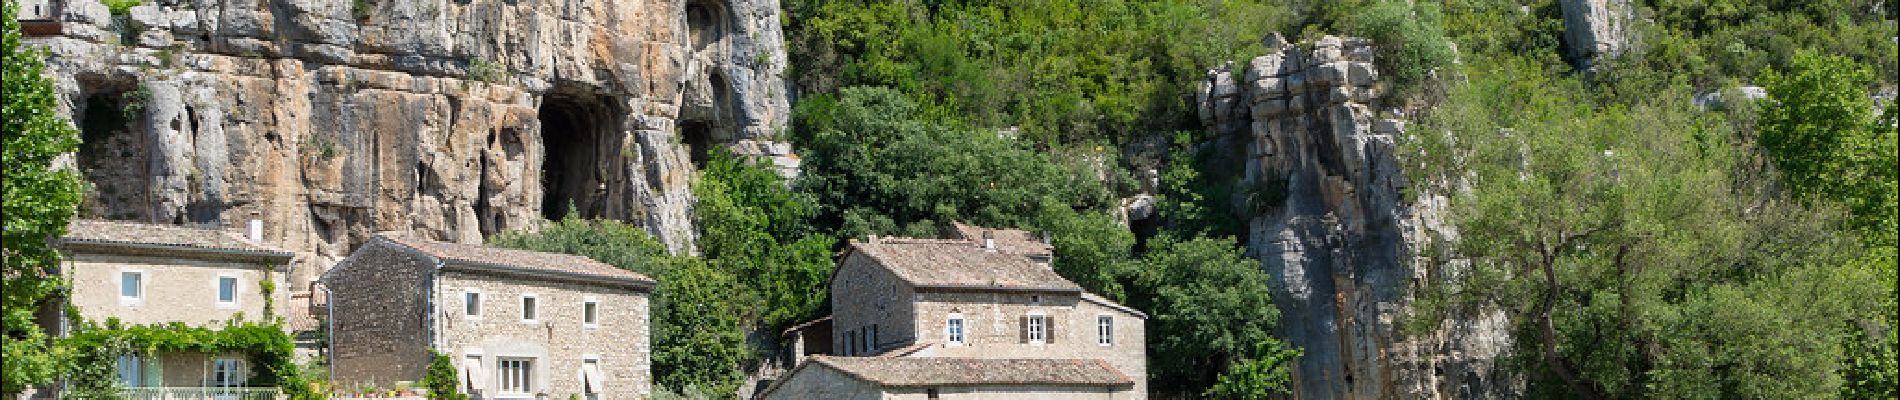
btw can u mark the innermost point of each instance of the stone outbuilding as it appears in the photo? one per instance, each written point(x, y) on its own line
point(519, 324)
point(854, 378)
point(148, 274)
point(987, 294)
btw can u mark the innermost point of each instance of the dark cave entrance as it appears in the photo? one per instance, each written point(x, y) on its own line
point(574, 162)
point(705, 23)
point(113, 156)
point(697, 135)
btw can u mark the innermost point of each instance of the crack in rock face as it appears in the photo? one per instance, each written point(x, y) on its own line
point(330, 121)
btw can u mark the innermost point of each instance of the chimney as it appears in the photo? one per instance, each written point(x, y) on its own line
point(989, 240)
point(256, 231)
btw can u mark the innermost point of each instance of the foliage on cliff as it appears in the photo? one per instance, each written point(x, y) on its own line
point(38, 200)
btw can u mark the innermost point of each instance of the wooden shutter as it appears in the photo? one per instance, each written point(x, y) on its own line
point(1048, 329)
point(1023, 329)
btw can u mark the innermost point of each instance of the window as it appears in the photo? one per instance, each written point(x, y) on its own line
point(131, 371)
point(590, 313)
point(873, 340)
point(472, 304)
point(1037, 328)
point(590, 376)
point(227, 371)
point(514, 375)
point(131, 286)
point(471, 371)
point(1104, 330)
point(954, 329)
point(850, 343)
point(527, 308)
point(227, 291)
point(931, 393)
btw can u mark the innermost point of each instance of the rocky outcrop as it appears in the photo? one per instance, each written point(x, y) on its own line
point(1595, 28)
point(333, 119)
point(1332, 224)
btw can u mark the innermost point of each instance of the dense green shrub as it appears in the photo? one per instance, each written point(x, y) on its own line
point(38, 201)
point(441, 379)
point(1410, 38)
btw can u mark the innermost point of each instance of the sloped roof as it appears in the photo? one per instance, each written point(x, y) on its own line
point(473, 255)
point(120, 236)
point(933, 371)
point(959, 264)
point(1010, 240)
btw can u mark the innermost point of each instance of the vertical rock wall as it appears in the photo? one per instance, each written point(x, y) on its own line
point(1340, 245)
point(333, 119)
point(1596, 28)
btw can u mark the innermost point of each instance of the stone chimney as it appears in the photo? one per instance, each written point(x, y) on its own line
point(989, 240)
point(256, 231)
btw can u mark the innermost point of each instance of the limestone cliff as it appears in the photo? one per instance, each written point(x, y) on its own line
point(1340, 243)
point(1596, 29)
point(333, 119)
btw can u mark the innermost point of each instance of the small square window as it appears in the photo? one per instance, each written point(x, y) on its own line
point(1038, 328)
point(954, 329)
point(528, 308)
point(131, 285)
point(227, 290)
point(590, 313)
point(472, 304)
point(1105, 330)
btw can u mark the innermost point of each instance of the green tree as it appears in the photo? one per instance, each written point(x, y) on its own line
point(755, 227)
point(440, 379)
point(1211, 311)
point(1819, 127)
point(1410, 38)
point(39, 200)
point(1266, 375)
point(1632, 258)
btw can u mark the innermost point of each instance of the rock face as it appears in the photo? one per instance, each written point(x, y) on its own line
point(333, 119)
point(1595, 28)
point(1342, 241)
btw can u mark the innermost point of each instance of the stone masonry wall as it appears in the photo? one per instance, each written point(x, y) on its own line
point(557, 340)
point(993, 328)
point(377, 325)
point(1340, 247)
point(175, 289)
point(334, 119)
point(863, 294)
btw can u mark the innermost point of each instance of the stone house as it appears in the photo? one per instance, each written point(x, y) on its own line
point(519, 324)
point(145, 274)
point(993, 298)
point(854, 378)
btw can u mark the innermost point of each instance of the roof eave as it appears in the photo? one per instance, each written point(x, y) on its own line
point(638, 285)
point(988, 288)
point(280, 258)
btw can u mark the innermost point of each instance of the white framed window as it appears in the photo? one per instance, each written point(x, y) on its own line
point(131, 286)
point(514, 375)
point(1036, 328)
point(1104, 330)
point(131, 370)
point(529, 305)
point(227, 371)
point(227, 287)
point(472, 371)
point(590, 313)
point(953, 329)
point(591, 378)
point(471, 303)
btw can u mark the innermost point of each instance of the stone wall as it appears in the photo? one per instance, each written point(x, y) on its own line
point(378, 329)
point(1340, 248)
point(333, 119)
point(993, 328)
point(557, 340)
point(820, 382)
point(175, 289)
point(864, 294)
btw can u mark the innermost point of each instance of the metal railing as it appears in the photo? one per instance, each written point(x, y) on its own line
point(197, 393)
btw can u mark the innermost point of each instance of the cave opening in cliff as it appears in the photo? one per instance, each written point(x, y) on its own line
point(705, 23)
point(574, 161)
point(697, 135)
point(112, 155)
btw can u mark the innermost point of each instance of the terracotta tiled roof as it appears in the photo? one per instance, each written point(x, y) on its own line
point(962, 264)
point(532, 261)
point(1105, 302)
point(1010, 240)
point(806, 324)
point(171, 238)
point(300, 315)
point(932, 371)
